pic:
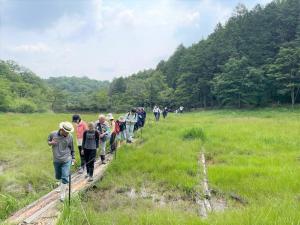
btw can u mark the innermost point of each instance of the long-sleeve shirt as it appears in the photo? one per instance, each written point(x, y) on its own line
point(131, 119)
point(103, 128)
point(80, 128)
point(90, 140)
point(63, 150)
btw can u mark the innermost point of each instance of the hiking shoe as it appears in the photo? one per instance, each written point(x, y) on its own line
point(90, 179)
point(80, 171)
point(86, 176)
point(128, 141)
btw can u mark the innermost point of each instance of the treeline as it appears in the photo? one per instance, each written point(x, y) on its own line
point(253, 60)
point(23, 91)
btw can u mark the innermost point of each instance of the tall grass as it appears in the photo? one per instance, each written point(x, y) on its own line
point(251, 154)
point(27, 160)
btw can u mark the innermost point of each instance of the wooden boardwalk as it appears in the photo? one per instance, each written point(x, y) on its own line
point(45, 211)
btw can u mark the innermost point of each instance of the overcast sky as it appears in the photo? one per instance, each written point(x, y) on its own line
point(103, 39)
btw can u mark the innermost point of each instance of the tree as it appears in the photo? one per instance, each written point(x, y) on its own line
point(238, 84)
point(286, 72)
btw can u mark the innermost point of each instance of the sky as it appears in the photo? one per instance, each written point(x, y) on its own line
point(104, 39)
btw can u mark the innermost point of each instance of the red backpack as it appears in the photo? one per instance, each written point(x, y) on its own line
point(117, 127)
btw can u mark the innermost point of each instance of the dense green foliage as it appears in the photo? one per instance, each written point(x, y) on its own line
point(252, 60)
point(77, 94)
point(23, 91)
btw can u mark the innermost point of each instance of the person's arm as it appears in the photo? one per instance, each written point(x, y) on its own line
point(134, 120)
point(71, 146)
point(51, 142)
point(97, 138)
point(85, 126)
point(83, 139)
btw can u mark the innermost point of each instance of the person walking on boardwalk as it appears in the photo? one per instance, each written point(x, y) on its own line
point(165, 112)
point(131, 119)
point(144, 115)
point(63, 154)
point(90, 143)
point(121, 136)
point(103, 128)
point(155, 112)
point(113, 132)
point(158, 113)
point(81, 126)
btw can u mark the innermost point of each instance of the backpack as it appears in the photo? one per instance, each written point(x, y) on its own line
point(117, 127)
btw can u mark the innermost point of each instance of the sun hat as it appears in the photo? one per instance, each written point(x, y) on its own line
point(66, 126)
point(122, 119)
point(110, 116)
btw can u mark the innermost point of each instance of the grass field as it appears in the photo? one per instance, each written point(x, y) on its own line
point(253, 164)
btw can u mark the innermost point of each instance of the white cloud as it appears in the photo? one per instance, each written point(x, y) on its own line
point(31, 48)
point(66, 26)
point(114, 38)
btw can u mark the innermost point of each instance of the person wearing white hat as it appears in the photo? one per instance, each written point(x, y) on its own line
point(63, 154)
point(113, 133)
point(104, 130)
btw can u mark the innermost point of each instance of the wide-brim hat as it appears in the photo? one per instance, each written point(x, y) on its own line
point(122, 119)
point(66, 126)
point(110, 116)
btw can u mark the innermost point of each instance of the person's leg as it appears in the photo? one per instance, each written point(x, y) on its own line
point(128, 133)
point(57, 170)
point(112, 142)
point(118, 140)
point(65, 172)
point(131, 128)
point(102, 154)
point(82, 159)
point(92, 162)
point(87, 159)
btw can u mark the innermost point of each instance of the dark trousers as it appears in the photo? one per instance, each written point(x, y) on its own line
point(112, 142)
point(82, 158)
point(90, 157)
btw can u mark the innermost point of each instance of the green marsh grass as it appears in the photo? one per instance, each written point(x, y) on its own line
point(250, 154)
point(27, 160)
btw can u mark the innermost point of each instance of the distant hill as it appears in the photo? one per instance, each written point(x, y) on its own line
point(76, 84)
point(21, 90)
point(79, 93)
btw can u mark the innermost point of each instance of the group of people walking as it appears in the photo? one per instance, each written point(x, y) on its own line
point(90, 137)
point(157, 111)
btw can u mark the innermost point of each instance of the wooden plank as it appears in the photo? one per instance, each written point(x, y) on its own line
point(35, 211)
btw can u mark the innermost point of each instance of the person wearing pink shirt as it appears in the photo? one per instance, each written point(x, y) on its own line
point(81, 127)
